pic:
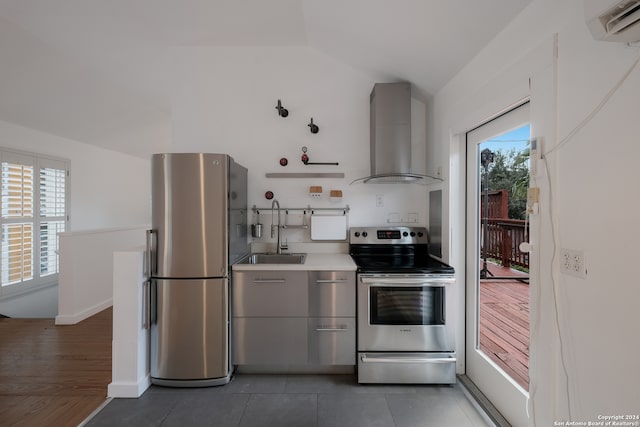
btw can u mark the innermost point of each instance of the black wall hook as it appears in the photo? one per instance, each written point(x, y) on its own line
point(282, 112)
point(305, 159)
point(313, 128)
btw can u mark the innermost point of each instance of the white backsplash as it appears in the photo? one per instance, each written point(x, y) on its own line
point(303, 247)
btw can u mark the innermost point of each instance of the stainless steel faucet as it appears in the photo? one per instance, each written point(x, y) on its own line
point(276, 203)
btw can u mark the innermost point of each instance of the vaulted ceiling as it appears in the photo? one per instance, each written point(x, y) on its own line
point(85, 69)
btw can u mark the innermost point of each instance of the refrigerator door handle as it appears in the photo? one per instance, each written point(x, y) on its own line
point(146, 292)
point(150, 253)
point(152, 302)
point(146, 295)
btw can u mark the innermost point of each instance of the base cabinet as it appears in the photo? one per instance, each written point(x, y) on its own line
point(332, 294)
point(284, 319)
point(269, 340)
point(332, 340)
point(270, 293)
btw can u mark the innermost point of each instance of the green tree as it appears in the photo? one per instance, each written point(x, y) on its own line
point(510, 171)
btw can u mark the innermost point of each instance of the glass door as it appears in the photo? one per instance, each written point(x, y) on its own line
point(498, 295)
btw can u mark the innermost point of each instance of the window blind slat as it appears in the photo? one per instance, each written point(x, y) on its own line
point(52, 192)
point(17, 190)
point(49, 262)
point(16, 263)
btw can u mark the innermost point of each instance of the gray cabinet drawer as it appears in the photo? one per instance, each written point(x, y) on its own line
point(270, 293)
point(332, 341)
point(269, 341)
point(332, 293)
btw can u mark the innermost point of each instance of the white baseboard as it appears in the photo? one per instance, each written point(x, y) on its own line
point(72, 319)
point(129, 389)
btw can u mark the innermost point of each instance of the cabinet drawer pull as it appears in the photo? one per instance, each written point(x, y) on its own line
point(269, 280)
point(321, 329)
point(332, 281)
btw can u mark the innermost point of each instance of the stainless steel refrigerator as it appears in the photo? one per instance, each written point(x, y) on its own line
point(199, 228)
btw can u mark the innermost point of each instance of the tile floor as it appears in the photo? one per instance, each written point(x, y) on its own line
point(297, 401)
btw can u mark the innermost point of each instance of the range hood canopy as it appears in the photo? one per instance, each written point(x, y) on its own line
point(390, 133)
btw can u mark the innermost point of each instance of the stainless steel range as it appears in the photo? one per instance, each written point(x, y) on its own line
point(403, 336)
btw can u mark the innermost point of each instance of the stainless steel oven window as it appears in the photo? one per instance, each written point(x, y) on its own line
point(419, 305)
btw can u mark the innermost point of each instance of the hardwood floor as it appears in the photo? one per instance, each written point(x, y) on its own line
point(53, 375)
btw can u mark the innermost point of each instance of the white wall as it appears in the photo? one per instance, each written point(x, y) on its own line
point(108, 189)
point(593, 200)
point(598, 203)
point(224, 101)
point(86, 269)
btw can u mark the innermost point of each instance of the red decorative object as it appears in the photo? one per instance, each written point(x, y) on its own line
point(268, 195)
point(284, 161)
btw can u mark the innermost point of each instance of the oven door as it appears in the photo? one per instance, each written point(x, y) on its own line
point(403, 313)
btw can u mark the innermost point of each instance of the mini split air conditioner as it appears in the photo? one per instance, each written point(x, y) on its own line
point(613, 20)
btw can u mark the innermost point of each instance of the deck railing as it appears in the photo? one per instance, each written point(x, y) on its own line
point(503, 241)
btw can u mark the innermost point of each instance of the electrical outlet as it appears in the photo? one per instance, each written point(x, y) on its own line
point(572, 263)
point(379, 200)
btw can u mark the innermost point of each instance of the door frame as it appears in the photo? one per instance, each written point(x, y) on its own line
point(503, 392)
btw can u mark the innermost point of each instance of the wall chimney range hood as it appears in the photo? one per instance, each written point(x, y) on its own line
point(390, 134)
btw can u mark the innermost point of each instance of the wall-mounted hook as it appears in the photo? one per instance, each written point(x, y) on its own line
point(313, 128)
point(282, 112)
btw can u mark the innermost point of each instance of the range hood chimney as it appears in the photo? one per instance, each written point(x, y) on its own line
point(390, 133)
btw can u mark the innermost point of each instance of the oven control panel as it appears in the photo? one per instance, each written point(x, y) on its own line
point(388, 235)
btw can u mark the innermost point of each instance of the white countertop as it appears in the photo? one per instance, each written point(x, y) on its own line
point(313, 261)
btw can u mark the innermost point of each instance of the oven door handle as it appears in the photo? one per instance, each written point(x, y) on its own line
point(365, 359)
point(408, 281)
point(321, 281)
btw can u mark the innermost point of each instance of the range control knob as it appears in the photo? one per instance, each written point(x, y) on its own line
point(420, 234)
point(405, 234)
point(365, 234)
point(413, 234)
point(357, 234)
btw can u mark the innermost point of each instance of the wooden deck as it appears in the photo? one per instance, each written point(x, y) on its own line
point(504, 322)
point(53, 375)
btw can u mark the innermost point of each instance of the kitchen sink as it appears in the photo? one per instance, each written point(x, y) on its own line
point(274, 259)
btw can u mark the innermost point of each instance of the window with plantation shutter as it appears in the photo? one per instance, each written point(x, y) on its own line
point(33, 210)
point(52, 216)
point(17, 223)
